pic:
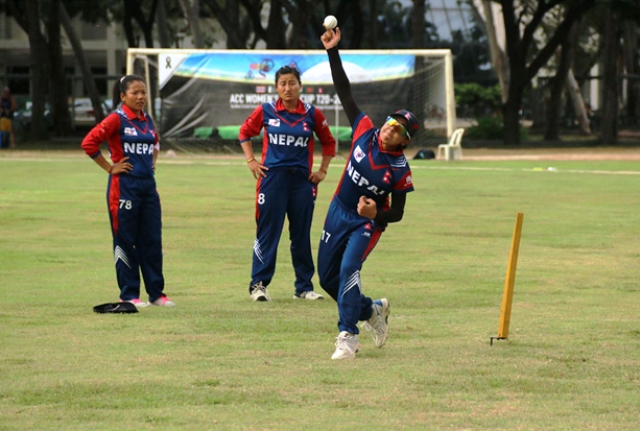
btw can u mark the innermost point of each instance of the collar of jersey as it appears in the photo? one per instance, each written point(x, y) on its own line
point(299, 109)
point(391, 153)
point(131, 115)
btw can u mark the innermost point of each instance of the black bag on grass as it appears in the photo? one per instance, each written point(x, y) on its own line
point(116, 307)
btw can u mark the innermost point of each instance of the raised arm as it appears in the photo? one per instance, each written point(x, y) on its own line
point(330, 40)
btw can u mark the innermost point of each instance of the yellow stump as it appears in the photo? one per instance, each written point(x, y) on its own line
point(507, 296)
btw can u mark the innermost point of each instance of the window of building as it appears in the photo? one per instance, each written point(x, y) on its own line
point(97, 31)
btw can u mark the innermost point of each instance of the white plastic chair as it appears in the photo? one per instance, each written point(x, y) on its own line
point(452, 150)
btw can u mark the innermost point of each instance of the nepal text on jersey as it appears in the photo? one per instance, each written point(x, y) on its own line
point(296, 141)
point(138, 148)
point(361, 181)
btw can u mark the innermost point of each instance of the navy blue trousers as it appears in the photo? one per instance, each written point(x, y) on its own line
point(136, 225)
point(284, 192)
point(346, 241)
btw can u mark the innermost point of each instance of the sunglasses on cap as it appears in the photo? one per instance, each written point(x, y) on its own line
point(398, 126)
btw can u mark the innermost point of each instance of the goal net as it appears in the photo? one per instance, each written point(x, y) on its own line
point(203, 96)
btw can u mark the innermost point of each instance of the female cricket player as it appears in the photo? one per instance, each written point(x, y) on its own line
point(376, 172)
point(287, 184)
point(132, 198)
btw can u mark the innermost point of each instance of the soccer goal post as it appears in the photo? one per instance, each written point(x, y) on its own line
point(203, 96)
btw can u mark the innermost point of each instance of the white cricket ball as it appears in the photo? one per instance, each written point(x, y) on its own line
point(330, 22)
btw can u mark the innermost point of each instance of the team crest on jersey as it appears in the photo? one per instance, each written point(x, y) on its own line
point(367, 230)
point(130, 131)
point(387, 177)
point(358, 154)
point(305, 127)
point(274, 122)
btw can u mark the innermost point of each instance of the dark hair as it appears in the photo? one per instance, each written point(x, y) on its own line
point(286, 70)
point(122, 85)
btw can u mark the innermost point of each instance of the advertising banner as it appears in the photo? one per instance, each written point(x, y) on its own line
point(213, 93)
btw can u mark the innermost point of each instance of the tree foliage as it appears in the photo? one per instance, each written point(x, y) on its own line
point(366, 24)
point(522, 20)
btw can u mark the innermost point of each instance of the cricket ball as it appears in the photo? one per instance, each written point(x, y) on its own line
point(330, 22)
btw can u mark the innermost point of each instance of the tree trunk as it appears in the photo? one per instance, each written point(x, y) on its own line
point(255, 18)
point(498, 58)
point(163, 33)
point(299, 18)
point(191, 12)
point(609, 118)
point(373, 23)
point(132, 10)
point(57, 83)
point(511, 111)
point(416, 104)
point(630, 56)
point(127, 24)
point(276, 28)
point(417, 24)
point(578, 104)
point(232, 16)
point(556, 108)
point(87, 75)
point(38, 55)
point(519, 42)
point(229, 18)
point(358, 24)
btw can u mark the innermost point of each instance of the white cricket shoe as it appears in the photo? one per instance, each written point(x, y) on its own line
point(135, 301)
point(259, 292)
point(347, 345)
point(309, 295)
point(163, 301)
point(378, 323)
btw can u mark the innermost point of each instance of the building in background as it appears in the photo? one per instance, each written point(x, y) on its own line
point(105, 47)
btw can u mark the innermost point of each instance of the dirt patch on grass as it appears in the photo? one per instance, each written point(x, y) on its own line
point(605, 153)
point(576, 153)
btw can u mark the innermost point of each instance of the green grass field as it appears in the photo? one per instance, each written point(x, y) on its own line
point(218, 361)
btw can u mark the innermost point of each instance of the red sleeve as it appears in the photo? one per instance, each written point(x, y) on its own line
point(109, 127)
point(405, 183)
point(364, 124)
point(252, 125)
point(324, 134)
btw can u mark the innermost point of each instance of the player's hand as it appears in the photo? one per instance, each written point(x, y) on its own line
point(317, 177)
point(367, 207)
point(121, 167)
point(257, 169)
point(330, 38)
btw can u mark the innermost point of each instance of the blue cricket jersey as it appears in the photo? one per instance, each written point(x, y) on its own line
point(371, 171)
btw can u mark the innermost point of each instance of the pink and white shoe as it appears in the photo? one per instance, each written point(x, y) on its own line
point(163, 301)
point(136, 302)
